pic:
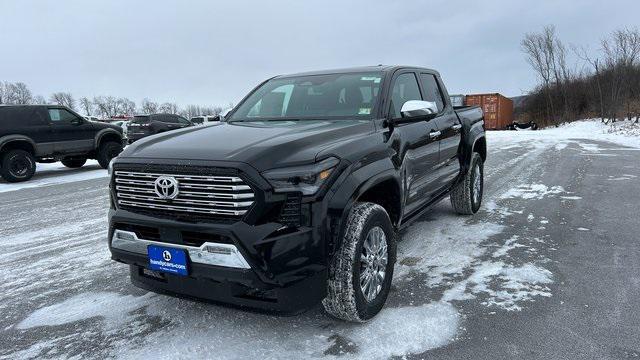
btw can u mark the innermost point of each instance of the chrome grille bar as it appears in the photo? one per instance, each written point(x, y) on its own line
point(212, 195)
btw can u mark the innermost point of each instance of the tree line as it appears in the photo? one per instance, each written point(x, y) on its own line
point(603, 84)
point(104, 107)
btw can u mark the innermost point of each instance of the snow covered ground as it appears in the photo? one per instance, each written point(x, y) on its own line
point(56, 173)
point(463, 287)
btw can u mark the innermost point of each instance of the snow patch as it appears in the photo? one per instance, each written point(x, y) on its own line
point(532, 191)
point(503, 285)
point(113, 308)
point(442, 248)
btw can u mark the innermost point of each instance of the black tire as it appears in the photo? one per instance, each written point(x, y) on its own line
point(108, 151)
point(466, 196)
point(18, 165)
point(345, 298)
point(73, 162)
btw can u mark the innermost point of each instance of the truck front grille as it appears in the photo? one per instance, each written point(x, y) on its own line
point(211, 196)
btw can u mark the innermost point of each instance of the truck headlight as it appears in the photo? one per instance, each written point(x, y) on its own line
point(306, 179)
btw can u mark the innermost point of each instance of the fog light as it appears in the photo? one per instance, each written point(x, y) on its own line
point(123, 235)
point(218, 250)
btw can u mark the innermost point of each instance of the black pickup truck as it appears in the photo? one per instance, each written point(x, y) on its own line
point(50, 133)
point(298, 198)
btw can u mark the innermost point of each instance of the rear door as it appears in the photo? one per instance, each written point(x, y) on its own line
point(70, 132)
point(29, 121)
point(420, 149)
point(450, 130)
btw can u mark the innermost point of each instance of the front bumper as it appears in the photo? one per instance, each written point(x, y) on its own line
point(260, 266)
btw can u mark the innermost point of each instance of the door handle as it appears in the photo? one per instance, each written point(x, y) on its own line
point(457, 127)
point(435, 134)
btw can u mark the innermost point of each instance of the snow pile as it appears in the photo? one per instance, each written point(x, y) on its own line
point(625, 128)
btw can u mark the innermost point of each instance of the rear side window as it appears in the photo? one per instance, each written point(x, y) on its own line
point(432, 90)
point(20, 116)
point(405, 88)
point(61, 116)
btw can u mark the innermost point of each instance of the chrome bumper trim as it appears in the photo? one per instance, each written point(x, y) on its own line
point(209, 253)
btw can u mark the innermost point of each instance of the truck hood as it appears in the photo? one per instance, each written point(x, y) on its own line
point(263, 145)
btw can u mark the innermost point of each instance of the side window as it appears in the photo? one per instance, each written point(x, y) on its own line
point(432, 90)
point(405, 88)
point(61, 116)
point(183, 120)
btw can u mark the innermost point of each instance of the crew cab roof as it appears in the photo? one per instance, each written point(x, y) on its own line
point(376, 68)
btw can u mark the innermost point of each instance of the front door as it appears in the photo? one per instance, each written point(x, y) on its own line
point(420, 152)
point(71, 133)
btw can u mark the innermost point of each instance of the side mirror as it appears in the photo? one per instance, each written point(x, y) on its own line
point(77, 121)
point(419, 109)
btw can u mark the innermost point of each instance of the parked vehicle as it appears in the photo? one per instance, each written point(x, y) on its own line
point(144, 125)
point(47, 133)
point(522, 126)
point(124, 124)
point(205, 119)
point(299, 196)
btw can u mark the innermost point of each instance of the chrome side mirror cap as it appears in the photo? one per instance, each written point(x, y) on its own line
point(419, 108)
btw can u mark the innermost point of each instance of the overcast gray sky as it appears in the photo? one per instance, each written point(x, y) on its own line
point(213, 52)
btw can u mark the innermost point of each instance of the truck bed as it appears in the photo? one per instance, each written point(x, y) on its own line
point(469, 114)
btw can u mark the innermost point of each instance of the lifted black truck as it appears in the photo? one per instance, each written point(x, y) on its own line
point(298, 198)
point(50, 133)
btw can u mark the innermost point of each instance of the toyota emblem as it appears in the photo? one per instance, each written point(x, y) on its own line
point(166, 187)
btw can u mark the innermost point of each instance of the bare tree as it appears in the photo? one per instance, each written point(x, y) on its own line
point(125, 106)
point(63, 99)
point(621, 53)
point(2, 93)
point(39, 100)
point(18, 94)
point(86, 105)
point(148, 107)
point(168, 107)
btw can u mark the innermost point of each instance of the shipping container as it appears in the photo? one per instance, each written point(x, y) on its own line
point(457, 100)
point(498, 110)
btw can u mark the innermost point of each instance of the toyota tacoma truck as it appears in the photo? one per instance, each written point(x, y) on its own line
point(298, 197)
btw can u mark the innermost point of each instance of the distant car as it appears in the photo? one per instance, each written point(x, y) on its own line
point(144, 125)
point(204, 119)
point(50, 133)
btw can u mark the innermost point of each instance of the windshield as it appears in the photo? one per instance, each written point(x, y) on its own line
point(314, 97)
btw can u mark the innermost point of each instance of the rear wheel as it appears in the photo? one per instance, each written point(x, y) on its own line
point(73, 162)
point(360, 272)
point(108, 151)
point(18, 165)
point(466, 196)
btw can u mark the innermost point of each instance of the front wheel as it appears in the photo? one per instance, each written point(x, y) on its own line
point(108, 151)
point(360, 272)
point(466, 196)
point(18, 165)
